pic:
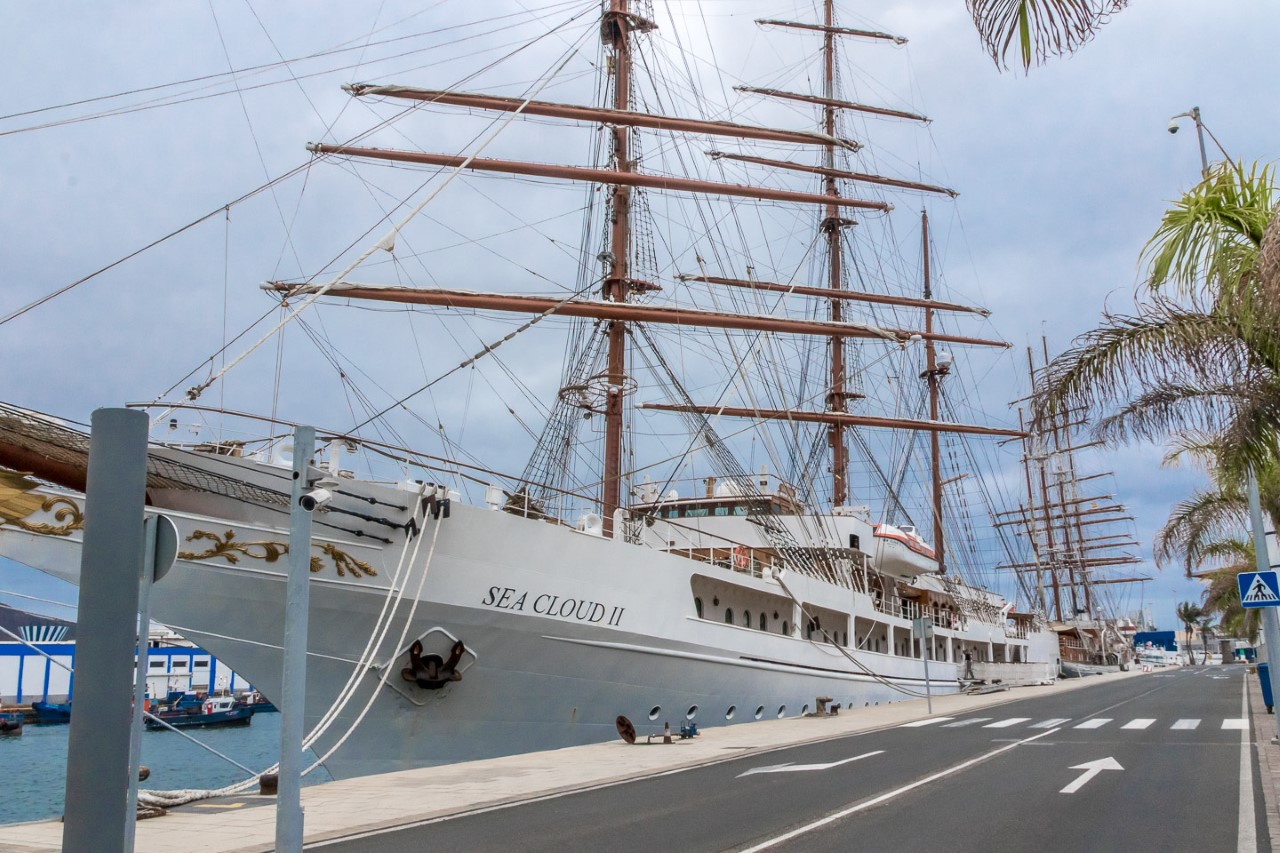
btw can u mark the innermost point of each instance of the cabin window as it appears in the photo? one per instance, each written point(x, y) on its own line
point(697, 605)
point(739, 510)
point(671, 513)
point(746, 618)
point(808, 631)
point(854, 541)
point(696, 512)
point(785, 628)
point(845, 639)
point(728, 616)
point(722, 510)
point(764, 622)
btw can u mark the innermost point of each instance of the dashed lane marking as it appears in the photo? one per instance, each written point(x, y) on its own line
point(1140, 723)
point(1048, 724)
point(1235, 724)
point(1004, 724)
point(929, 721)
point(1185, 725)
point(1095, 723)
point(968, 722)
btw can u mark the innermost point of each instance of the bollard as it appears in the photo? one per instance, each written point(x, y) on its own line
point(268, 784)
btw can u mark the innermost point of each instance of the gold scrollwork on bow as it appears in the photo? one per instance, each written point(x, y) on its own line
point(17, 504)
point(226, 547)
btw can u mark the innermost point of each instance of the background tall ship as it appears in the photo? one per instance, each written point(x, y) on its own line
point(1081, 542)
point(755, 472)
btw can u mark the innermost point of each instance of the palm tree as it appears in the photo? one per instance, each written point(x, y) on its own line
point(1202, 354)
point(1222, 595)
point(1042, 28)
point(1189, 614)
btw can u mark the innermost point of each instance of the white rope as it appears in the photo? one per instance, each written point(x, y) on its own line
point(373, 695)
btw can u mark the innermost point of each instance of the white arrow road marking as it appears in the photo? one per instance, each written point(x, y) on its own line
point(1095, 723)
point(1091, 769)
point(795, 768)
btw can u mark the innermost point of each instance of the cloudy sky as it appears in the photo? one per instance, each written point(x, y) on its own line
point(1063, 175)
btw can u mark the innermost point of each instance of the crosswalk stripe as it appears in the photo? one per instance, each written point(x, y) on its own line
point(1185, 724)
point(928, 721)
point(1004, 724)
point(968, 722)
point(1095, 723)
point(1048, 724)
point(1235, 724)
point(1140, 723)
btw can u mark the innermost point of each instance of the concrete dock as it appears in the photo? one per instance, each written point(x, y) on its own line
point(352, 808)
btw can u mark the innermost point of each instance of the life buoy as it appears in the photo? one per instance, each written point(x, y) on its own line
point(740, 557)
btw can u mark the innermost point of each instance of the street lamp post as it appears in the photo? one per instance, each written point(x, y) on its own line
point(1262, 555)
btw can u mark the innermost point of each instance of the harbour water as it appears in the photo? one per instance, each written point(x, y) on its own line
point(35, 763)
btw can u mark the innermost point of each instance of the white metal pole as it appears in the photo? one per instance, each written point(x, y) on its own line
point(289, 818)
point(140, 677)
point(1265, 561)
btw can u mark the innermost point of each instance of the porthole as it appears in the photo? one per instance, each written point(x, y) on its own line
point(804, 712)
point(759, 711)
point(782, 711)
point(733, 709)
point(655, 711)
point(691, 713)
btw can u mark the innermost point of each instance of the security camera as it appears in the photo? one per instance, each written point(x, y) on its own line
point(315, 499)
point(1173, 126)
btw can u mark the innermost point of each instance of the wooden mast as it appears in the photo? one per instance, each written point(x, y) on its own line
point(617, 32)
point(837, 398)
point(932, 373)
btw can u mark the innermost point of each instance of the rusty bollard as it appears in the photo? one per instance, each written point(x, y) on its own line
point(268, 784)
point(666, 733)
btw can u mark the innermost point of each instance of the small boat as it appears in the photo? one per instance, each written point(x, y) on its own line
point(10, 724)
point(259, 703)
point(216, 711)
point(51, 713)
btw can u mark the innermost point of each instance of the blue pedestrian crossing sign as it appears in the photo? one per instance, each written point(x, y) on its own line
point(1259, 589)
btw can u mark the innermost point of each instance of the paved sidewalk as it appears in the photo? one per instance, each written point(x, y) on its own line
point(1263, 726)
point(349, 807)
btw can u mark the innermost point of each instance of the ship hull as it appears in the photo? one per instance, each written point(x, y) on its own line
point(563, 633)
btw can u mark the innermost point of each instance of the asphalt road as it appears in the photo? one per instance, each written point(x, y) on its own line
point(1149, 763)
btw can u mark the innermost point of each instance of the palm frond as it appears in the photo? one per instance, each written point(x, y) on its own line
point(1164, 343)
point(1167, 408)
point(1041, 28)
point(1199, 523)
point(1213, 233)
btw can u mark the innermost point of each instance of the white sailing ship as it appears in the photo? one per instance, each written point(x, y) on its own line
point(458, 613)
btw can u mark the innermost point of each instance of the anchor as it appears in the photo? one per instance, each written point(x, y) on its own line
point(432, 672)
